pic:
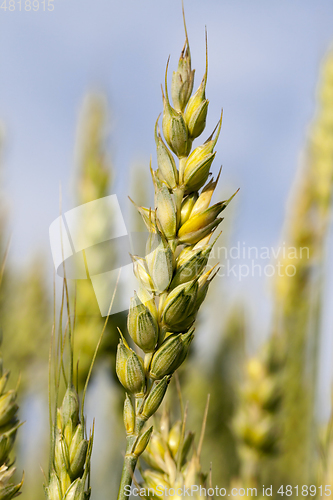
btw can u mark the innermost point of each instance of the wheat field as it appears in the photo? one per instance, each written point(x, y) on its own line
point(201, 385)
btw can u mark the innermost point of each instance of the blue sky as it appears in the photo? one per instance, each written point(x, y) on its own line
point(264, 61)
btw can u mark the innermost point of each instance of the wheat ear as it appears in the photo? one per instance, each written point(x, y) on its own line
point(172, 458)
point(257, 420)
point(300, 296)
point(173, 277)
point(9, 423)
point(71, 448)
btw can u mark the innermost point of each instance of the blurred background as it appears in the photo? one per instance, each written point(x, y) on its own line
point(79, 97)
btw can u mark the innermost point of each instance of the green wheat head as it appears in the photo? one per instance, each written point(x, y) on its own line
point(173, 277)
point(70, 446)
point(9, 424)
point(172, 458)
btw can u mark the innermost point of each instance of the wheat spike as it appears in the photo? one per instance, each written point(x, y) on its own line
point(71, 447)
point(257, 420)
point(173, 276)
point(299, 295)
point(173, 460)
point(9, 423)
